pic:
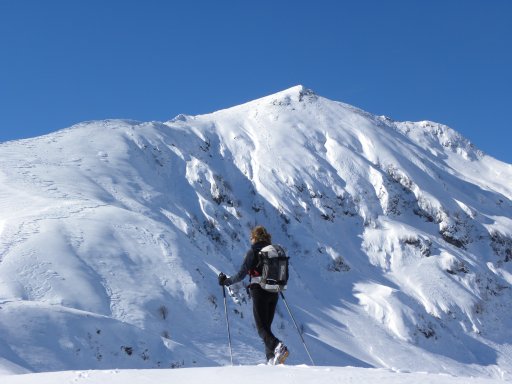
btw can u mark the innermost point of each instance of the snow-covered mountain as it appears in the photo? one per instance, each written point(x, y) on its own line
point(399, 233)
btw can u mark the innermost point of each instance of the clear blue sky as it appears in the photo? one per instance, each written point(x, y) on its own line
point(66, 61)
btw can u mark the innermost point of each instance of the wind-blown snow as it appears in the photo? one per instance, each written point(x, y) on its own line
point(399, 233)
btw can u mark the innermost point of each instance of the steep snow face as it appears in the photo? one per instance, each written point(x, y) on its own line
point(399, 233)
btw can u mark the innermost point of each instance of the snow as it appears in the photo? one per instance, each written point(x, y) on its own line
point(301, 374)
point(399, 234)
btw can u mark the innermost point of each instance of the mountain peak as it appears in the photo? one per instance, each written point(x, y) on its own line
point(286, 97)
point(295, 93)
point(297, 90)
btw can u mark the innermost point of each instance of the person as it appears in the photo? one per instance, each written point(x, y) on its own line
point(264, 302)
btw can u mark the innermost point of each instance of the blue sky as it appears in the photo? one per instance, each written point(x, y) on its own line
point(67, 61)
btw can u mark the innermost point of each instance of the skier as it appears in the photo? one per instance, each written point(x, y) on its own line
point(264, 302)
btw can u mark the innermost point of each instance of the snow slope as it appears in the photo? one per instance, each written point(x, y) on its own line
point(399, 234)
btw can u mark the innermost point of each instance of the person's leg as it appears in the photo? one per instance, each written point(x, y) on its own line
point(264, 305)
point(271, 308)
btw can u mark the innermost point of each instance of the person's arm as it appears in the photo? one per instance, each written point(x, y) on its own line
point(244, 269)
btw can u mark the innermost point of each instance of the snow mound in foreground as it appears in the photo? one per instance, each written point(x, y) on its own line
point(248, 374)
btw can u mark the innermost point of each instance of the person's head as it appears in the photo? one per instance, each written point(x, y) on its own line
point(259, 233)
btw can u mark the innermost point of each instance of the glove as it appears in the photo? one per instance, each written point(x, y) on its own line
point(223, 279)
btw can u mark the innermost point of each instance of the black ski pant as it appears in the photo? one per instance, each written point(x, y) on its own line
point(264, 308)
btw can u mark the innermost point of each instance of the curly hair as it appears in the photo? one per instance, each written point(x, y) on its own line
point(259, 233)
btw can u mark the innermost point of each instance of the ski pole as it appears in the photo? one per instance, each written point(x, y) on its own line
point(227, 323)
point(296, 326)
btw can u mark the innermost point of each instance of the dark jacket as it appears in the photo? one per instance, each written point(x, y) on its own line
point(250, 264)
